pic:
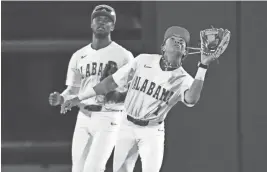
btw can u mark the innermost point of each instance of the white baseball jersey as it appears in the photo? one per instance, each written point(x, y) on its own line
point(86, 66)
point(153, 92)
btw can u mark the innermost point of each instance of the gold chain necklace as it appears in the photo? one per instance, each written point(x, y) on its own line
point(168, 65)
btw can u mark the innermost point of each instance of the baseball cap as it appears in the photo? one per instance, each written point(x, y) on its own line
point(104, 10)
point(176, 30)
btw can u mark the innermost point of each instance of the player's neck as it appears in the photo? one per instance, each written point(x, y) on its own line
point(172, 60)
point(100, 43)
point(166, 66)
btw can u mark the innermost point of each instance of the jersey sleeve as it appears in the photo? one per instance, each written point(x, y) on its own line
point(186, 86)
point(73, 75)
point(121, 77)
point(128, 58)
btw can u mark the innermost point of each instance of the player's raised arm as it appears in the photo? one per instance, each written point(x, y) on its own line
point(212, 47)
point(192, 95)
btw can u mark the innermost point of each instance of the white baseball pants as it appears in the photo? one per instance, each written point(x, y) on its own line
point(93, 140)
point(133, 140)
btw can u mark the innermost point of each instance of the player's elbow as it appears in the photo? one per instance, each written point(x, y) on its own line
point(191, 97)
point(192, 100)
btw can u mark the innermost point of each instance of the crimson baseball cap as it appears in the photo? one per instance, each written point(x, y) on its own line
point(176, 30)
point(104, 10)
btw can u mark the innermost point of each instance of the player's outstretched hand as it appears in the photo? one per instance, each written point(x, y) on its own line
point(55, 99)
point(214, 42)
point(67, 105)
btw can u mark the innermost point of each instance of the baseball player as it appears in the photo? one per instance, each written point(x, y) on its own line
point(159, 82)
point(96, 127)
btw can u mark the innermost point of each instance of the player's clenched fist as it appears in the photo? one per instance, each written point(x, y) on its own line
point(55, 99)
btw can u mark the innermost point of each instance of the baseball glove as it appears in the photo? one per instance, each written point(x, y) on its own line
point(113, 96)
point(109, 69)
point(214, 41)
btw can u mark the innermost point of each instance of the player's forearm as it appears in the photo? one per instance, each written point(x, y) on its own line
point(69, 93)
point(193, 94)
point(102, 88)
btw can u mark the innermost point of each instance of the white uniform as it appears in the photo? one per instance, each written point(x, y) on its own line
point(95, 132)
point(152, 93)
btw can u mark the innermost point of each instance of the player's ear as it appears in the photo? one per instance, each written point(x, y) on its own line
point(185, 52)
point(185, 55)
point(163, 48)
point(112, 27)
point(93, 23)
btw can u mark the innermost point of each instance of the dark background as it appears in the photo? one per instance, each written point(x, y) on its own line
point(225, 131)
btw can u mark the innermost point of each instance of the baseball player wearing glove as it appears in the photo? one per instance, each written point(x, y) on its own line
point(158, 83)
point(112, 96)
point(98, 120)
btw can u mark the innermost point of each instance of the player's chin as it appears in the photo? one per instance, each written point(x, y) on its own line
point(101, 34)
point(177, 51)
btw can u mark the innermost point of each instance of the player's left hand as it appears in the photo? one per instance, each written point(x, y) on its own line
point(213, 43)
point(65, 107)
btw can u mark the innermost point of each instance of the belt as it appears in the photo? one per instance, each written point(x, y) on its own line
point(94, 108)
point(97, 108)
point(141, 122)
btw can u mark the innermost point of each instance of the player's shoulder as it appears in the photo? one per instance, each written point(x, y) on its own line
point(147, 57)
point(119, 53)
point(116, 47)
point(185, 73)
point(82, 51)
point(183, 70)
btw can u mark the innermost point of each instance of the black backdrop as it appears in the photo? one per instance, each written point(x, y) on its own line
point(226, 131)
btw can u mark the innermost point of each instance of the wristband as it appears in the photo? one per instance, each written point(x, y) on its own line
point(200, 75)
point(202, 65)
point(88, 93)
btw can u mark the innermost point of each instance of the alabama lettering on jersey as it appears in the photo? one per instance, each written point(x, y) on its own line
point(152, 92)
point(86, 66)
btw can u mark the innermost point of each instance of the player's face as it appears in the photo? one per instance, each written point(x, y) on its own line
point(175, 44)
point(102, 26)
